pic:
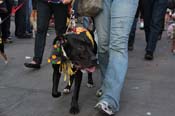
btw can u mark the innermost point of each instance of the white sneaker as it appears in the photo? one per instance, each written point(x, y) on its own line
point(99, 93)
point(66, 91)
point(141, 25)
point(103, 106)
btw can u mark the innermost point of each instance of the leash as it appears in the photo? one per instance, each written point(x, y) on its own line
point(72, 23)
point(13, 11)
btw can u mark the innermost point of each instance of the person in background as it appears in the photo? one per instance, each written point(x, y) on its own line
point(28, 13)
point(154, 13)
point(113, 26)
point(141, 13)
point(45, 10)
point(6, 24)
point(21, 22)
point(134, 25)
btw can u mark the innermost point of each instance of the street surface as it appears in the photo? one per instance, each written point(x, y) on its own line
point(149, 89)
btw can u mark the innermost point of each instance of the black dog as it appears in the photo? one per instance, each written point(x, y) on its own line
point(79, 49)
point(90, 82)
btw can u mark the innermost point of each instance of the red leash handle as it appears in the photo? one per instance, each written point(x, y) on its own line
point(16, 8)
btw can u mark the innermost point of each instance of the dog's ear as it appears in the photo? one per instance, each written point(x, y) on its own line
point(87, 37)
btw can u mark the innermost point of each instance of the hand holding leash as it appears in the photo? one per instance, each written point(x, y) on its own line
point(66, 1)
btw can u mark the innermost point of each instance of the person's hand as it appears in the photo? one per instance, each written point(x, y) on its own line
point(66, 1)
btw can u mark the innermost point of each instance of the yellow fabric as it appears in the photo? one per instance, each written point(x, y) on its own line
point(82, 29)
point(66, 69)
point(90, 37)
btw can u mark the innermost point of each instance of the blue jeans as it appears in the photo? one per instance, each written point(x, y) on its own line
point(28, 13)
point(113, 26)
point(86, 22)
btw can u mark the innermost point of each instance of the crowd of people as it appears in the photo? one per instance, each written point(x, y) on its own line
point(115, 26)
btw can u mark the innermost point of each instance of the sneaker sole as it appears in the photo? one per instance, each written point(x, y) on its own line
point(99, 107)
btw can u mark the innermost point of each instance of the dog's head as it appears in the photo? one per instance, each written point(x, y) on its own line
point(79, 49)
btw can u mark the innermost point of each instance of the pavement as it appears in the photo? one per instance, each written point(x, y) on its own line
point(148, 89)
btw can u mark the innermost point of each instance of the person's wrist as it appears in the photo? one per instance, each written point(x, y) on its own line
point(67, 1)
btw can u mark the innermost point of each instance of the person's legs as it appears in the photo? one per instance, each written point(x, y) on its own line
point(141, 9)
point(157, 20)
point(147, 8)
point(20, 20)
point(5, 25)
point(60, 17)
point(28, 13)
point(132, 35)
point(43, 16)
point(102, 23)
point(115, 44)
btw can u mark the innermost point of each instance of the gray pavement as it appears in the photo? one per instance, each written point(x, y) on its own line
point(148, 90)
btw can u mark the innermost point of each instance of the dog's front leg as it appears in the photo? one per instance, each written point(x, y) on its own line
point(74, 104)
point(56, 79)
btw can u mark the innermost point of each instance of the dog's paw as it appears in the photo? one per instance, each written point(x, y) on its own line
point(56, 94)
point(66, 91)
point(90, 85)
point(74, 110)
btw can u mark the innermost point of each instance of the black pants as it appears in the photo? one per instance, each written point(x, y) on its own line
point(45, 10)
point(34, 4)
point(134, 25)
point(6, 24)
point(1, 42)
point(154, 12)
point(20, 19)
